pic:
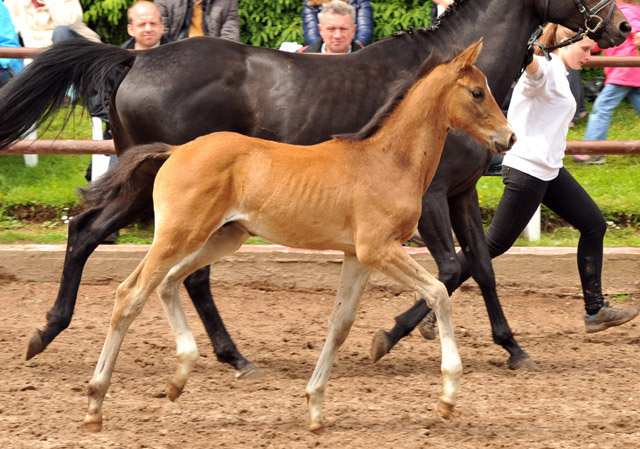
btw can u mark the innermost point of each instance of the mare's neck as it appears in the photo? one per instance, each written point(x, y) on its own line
point(505, 26)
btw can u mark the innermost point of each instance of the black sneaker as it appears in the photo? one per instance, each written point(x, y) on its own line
point(608, 317)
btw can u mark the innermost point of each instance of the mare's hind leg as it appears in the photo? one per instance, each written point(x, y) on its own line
point(352, 282)
point(467, 224)
point(86, 232)
point(225, 241)
point(197, 284)
point(397, 264)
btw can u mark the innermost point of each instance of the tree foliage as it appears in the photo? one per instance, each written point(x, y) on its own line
point(265, 23)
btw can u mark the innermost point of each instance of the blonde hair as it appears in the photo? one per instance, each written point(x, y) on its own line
point(553, 34)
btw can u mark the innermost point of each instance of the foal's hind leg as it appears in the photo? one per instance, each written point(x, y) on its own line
point(352, 282)
point(225, 241)
point(397, 264)
point(130, 298)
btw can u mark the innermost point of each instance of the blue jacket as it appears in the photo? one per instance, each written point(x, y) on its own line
point(364, 20)
point(8, 38)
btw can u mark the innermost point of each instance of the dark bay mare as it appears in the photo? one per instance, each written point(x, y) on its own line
point(180, 91)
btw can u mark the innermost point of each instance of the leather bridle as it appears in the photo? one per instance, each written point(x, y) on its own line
point(593, 25)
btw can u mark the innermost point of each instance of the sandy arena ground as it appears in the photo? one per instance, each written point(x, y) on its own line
point(586, 393)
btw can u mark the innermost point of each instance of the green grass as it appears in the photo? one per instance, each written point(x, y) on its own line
point(52, 184)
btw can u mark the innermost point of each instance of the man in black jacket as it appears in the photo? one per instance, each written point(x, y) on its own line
point(145, 28)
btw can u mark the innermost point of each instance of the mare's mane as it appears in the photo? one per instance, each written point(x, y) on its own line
point(396, 95)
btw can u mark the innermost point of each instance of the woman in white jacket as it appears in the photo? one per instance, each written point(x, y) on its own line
point(35, 20)
point(541, 108)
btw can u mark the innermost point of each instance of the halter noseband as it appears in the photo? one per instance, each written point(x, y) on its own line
point(593, 25)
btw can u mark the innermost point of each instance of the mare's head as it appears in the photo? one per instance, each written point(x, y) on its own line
point(468, 103)
point(601, 19)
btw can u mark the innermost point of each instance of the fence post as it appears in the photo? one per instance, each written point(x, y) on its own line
point(99, 162)
point(532, 231)
point(31, 160)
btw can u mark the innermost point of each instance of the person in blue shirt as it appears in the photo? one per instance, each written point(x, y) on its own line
point(8, 38)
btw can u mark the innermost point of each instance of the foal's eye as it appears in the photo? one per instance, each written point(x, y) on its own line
point(478, 93)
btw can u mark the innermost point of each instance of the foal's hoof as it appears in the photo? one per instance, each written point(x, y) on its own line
point(522, 363)
point(173, 392)
point(35, 345)
point(317, 427)
point(445, 409)
point(380, 345)
point(249, 372)
point(93, 426)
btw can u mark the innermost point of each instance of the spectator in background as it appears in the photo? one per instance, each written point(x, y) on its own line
point(337, 29)
point(42, 22)
point(8, 38)
point(145, 28)
point(620, 83)
point(190, 18)
point(363, 20)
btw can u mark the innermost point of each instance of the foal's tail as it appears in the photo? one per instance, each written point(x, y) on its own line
point(33, 96)
point(134, 171)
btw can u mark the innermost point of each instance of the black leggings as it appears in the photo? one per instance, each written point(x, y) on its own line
point(522, 195)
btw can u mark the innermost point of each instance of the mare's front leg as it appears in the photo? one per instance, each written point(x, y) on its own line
point(352, 282)
point(86, 232)
point(467, 224)
point(394, 261)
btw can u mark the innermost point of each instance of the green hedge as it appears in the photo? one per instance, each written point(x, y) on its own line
point(265, 23)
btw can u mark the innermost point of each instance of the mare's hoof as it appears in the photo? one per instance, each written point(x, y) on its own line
point(380, 345)
point(427, 326)
point(173, 392)
point(249, 372)
point(445, 409)
point(523, 363)
point(35, 345)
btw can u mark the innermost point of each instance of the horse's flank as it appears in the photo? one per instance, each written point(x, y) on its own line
point(269, 187)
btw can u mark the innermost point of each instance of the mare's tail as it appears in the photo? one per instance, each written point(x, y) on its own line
point(135, 170)
point(33, 96)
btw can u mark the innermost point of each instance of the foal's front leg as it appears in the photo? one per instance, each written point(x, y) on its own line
point(398, 265)
point(352, 282)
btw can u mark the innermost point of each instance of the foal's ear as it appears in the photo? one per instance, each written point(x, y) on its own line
point(469, 56)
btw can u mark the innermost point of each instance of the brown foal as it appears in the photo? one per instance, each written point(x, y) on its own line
point(362, 197)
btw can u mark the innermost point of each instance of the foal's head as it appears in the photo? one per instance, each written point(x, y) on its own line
point(468, 102)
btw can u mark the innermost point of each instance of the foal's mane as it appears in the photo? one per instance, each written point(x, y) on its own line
point(439, 55)
point(396, 95)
